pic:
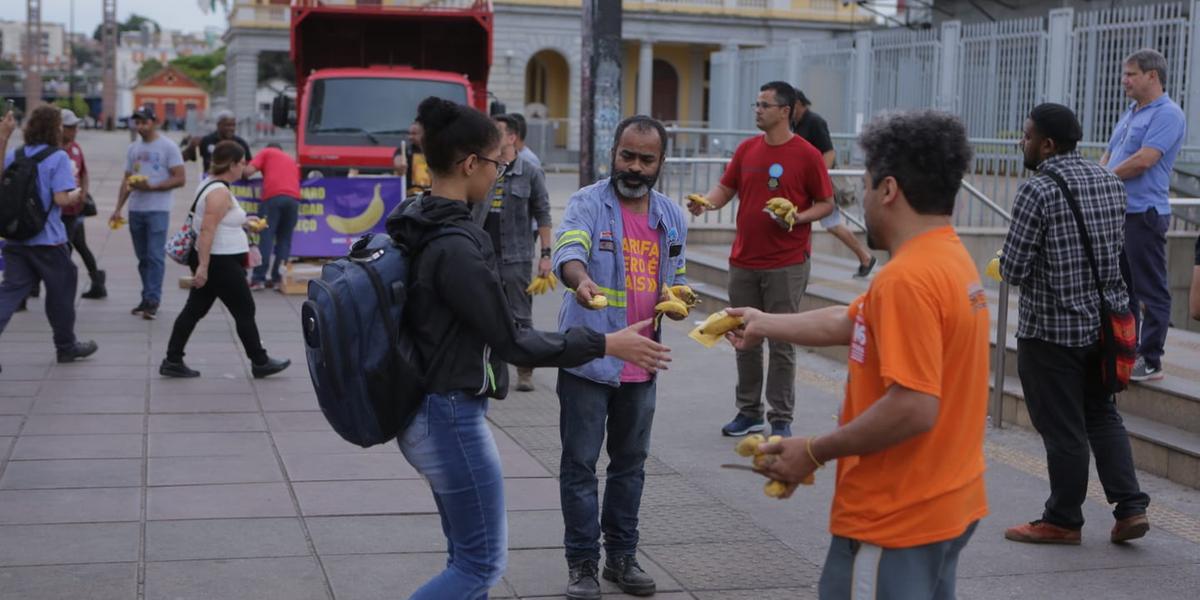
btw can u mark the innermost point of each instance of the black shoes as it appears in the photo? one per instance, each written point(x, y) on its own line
point(581, 581)
point(176, 369)
point(97, 291)
point(78, 351)
point(628, 575)
point(271, 367)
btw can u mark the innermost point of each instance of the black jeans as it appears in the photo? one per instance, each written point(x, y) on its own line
point(588, 411)
point(227, 282)
point(1144, 267)
point(24, 266)
point(78, 239)
point(1070, 409)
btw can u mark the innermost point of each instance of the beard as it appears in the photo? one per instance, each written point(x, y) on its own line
point(1032, 163)
point(632, 185)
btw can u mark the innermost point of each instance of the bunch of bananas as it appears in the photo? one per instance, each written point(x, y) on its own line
point(749, 447)
point(714, 328)
point(680, 300)
point(259, 225)
point(701, 200)
point(782, 211)
point(541, 285)
point(132, 179)
point(993, 267)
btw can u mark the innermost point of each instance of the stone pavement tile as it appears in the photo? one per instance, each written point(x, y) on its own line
point(326, 442)
point(536, 438)
point(70, 506)
point(209, 444)
point(15, 406)
point(113, 581)
point(224, 538)
point(135, 404)
point(10, 424)
point(78, 473)
point(97, 372)
point(13, 359)
point(67, 388)
point(760, 593)
point(332, 467)
point(165, 386)
point(531, 494)
point(659, 525)
point(289, 401)
point(377, 534)
point(1168, 582)
point(388, 576)
point(670, 490)
point(12, 389)
point(543, 572)
point(112, 445)
point(219, 501)
point(306, 420)
point(16, 372)
point(224, 403)
point(206, 423)
point(405, 496)
point(111, 356)
point(531, 417)
point(292, 578)
point(82, 424)
point(535, 529)
point(516, 462)
point(284, 385)
point(734, 566)
point(193, 470)
point(69, 544)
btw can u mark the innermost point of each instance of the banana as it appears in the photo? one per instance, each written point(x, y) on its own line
point(685, 294)
point(363, 221)
point(720, 323)
point(790, 219)
point(749, 445)
point(674, 308)
point(553, 281)
point(993, 268)
point(536, 287)
point(136, 178)
point(598, 302)
point(775, 489)
point(698, 199)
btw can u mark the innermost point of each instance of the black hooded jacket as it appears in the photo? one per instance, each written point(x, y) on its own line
point(456, 310)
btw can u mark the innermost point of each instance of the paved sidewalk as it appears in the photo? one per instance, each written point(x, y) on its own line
point(117, 484)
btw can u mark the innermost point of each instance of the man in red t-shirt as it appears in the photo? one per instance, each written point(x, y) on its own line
point(281, 206)
point(768, 266)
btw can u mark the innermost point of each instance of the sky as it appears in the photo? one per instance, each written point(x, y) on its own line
point(182, 15)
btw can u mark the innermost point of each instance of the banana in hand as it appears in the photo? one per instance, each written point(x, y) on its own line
point(749, 447)
point(676, 306)
point(714, 328)
point(782, 211)
point(541, 285)
point(598, 302)
point(993, 267)
point(699, 199)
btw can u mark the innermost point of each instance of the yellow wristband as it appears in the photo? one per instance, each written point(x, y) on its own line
point(808, 446)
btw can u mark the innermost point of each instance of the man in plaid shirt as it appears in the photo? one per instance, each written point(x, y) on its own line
point(1058, 352)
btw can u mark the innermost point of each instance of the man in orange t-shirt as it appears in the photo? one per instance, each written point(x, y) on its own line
point(909, 445)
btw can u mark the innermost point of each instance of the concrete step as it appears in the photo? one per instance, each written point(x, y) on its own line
point(1163, 416)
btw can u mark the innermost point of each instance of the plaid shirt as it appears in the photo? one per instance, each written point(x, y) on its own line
point(1045, 256)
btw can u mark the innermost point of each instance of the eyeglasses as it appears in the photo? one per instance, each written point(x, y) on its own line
point(501, 166)
point(765, 105)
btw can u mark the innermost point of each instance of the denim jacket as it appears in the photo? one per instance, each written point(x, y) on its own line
point(592, 232)
point(525, 201)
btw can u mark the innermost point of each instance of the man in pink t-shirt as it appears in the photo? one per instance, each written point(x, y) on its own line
point(281, 206)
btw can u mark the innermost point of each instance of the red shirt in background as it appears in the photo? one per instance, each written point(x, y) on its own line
point(281, 173)
point(80, 168)
point(758, 172)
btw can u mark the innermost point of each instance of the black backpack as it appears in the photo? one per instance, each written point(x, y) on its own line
point(22, 213)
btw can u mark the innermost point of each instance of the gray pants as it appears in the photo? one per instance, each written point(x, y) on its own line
point(515, 279)
point(773, 291)
point(858, 571)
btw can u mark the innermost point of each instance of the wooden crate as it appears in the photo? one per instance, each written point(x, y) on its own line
point(296, 277)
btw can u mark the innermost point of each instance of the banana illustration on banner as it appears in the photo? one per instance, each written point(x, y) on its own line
point(362, 222)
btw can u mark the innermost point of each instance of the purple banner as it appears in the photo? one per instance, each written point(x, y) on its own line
point(334, 213)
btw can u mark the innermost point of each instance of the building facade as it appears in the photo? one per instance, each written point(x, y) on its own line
point(173, 95)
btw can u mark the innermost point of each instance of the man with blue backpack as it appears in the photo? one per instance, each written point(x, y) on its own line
point(624, 242)
point(37, 180)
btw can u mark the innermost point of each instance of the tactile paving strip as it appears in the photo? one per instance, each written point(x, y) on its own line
point(735, 566)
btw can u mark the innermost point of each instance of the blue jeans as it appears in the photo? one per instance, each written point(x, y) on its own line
point(450, 444)
point(855, 569)
point(148, 230)
point(282, 212)
point(1144, 267)
point(24, 266)
point(588, 410)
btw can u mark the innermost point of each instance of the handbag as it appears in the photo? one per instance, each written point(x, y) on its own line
point(180, 246)
point(89, 207)
point(1118, 329)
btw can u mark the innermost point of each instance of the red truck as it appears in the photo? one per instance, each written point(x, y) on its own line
point(361, 71)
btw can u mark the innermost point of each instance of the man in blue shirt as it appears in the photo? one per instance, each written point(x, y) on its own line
point(45, 256)
point(1142, 153)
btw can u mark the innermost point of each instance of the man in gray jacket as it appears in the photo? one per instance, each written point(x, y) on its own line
point(519, 199)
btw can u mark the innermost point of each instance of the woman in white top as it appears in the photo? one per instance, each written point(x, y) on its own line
point(219, 267)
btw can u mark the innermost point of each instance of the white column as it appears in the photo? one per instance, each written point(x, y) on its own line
point(1192, 99)
point(947, 90)
point(645, 76)
point(1058, 52)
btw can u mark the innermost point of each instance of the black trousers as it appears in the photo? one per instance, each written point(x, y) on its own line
point(1071, 411)
point(226, 282)
point(78, 238)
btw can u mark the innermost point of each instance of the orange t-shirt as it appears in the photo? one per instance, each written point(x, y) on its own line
point(923, 324)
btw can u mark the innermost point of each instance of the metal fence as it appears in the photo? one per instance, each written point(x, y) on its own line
point(990, 73)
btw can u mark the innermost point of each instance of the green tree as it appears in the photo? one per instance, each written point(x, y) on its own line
point(84, 55)
point(276, 65)
point(148, 68)
point(199, 68)
point(76, 105)
point(133, 23)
